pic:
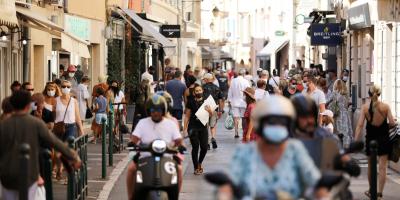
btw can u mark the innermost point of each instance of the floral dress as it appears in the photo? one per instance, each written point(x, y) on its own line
point(342, 119)
point(294, 173)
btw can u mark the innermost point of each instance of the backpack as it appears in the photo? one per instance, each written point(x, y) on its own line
point(211, 89)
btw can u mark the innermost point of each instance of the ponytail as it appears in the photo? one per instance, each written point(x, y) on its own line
point(374, 93)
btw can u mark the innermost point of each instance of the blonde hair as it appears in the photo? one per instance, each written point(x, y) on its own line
point(374, 92)
point(340, 87)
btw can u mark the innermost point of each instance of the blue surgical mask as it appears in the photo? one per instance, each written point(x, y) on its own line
point(275, 133)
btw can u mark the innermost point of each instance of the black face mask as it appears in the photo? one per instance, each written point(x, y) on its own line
point(198, 95)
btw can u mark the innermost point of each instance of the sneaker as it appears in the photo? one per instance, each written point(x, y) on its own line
point(209, 148)
point(214, 143)
point(236, 136)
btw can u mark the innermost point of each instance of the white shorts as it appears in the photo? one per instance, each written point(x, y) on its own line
point(238, 111)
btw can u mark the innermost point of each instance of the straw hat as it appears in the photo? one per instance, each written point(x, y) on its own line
point(250, 92)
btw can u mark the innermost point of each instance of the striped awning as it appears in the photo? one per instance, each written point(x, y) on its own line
point(8, 16)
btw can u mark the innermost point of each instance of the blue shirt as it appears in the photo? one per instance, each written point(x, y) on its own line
point(176, 89)
point(293, 174)
point(101, 101)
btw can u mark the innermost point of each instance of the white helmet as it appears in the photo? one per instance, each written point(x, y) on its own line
point(274, 105)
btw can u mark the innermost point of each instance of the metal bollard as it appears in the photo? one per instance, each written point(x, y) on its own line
point(374, 174)
point(24, 169)
point(103, 149)
point(47, 171)
point(71, 175)
point(110, 140)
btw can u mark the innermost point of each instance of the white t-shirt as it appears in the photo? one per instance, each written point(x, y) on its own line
point(328, 127)
point(317, 95)
point(147, 131)
point(118, 99)
point(235, 93)
point(260, 94)
point(82, 95)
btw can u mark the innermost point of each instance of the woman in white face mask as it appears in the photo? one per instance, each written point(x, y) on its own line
point(50, 92)
point(67, 111)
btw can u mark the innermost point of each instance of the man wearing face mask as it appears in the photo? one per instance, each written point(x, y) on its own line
point(70, 76)
point(266, 166)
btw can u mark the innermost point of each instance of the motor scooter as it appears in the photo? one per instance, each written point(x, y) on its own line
point(156, 175)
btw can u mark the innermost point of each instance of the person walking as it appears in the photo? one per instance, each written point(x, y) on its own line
point(223, 82)
point(191, 83)
point(197, 132)
point(40, 111)
point(248, 131)
point(82, 96)
point(291, 89)
point(50, 92)
point(143, 94)
point(260, 92)
point(67, 111)
point(22, 128)
point(316, 94)
point(101, 109)
point(176, 89)
point(210, 88)
point(235, 99)
point(377, 114)
point(339, 104)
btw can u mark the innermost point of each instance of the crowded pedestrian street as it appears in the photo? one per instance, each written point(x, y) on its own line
point(200, 99)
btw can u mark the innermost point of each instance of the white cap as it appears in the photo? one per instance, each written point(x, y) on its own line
point(264, 72)
point(328, 113)
point(208, 76)
point(259, 69)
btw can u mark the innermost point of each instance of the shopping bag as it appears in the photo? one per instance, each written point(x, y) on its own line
point(394, 138)
point(229, 123)
point(40, 193)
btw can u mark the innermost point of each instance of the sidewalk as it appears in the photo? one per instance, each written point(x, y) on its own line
point(95, 182)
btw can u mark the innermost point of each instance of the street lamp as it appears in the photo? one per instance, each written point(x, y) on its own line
point(3, 35)
point(215, 11)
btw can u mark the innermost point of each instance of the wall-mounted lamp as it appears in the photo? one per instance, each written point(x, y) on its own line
point(3, 34)
point(215, 11)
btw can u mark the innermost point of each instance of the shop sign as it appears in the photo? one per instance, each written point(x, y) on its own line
point(326, 34)
point(359, 17)
point(78, 27)
point(171, 31)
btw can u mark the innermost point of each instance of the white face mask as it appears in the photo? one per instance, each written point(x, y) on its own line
point(33, 106)
point(51, 93)
point(71, 74)
point(66, 90)
point(345, 78)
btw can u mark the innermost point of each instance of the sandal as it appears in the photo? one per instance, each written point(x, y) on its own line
point(367, 194)
point(200, 169)
point(197, 172)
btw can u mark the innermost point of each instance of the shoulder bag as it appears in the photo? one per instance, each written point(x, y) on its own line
point(59, 127)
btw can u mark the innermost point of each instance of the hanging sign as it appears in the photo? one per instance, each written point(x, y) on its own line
point(326, 34)
point(171, 31)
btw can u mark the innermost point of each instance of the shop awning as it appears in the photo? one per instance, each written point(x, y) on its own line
point(272, 47)
point(74, 45)
point(165, 42)
point(8, 16)
point(39, 20)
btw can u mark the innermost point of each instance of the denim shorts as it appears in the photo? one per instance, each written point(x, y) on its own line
point(70, 130)
point(100, 117)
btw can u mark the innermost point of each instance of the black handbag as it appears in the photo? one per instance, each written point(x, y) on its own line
point(89, 113)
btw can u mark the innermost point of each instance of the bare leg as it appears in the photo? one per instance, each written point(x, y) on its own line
point(236, 122)
point(180, 177)
point(213, 131)
point(130, 180)
point(383, 163)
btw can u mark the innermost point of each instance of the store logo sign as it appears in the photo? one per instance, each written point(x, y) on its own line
point(326, 34)
point(171, 31)
point(359, 17)
point(78, 27)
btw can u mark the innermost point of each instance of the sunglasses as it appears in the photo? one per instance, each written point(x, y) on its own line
point(30, 90)
point(156, 110)
point(64, 86)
